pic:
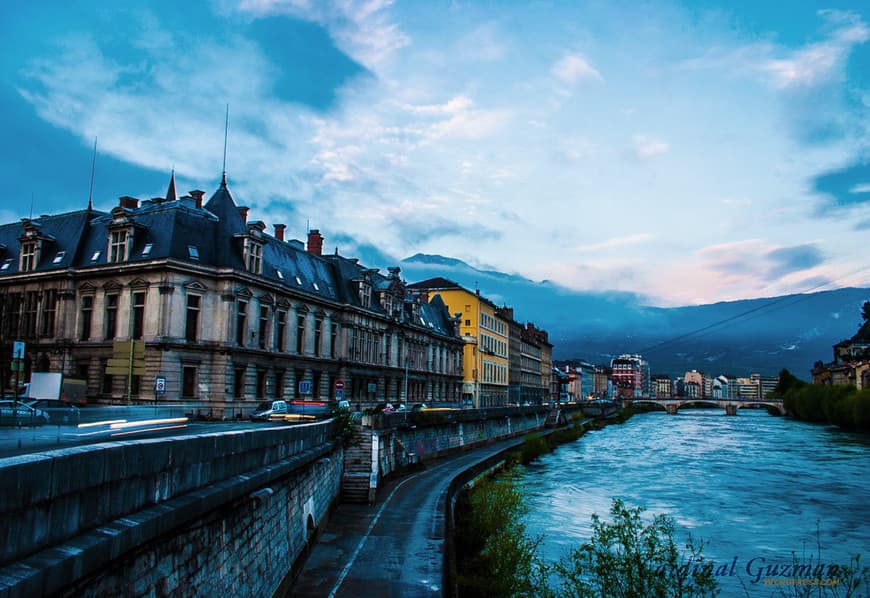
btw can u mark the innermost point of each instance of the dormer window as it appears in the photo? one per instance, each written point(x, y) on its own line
point(6, 264)
point(193, 252)
point(117, 246)
point(146, 251)
point(365, 294)
point(387, 303)
point(96, 256)
point(58, 258)
point(28, 256)
point(253, 256)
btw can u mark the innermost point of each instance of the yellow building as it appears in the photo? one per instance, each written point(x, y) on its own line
point(485, 356)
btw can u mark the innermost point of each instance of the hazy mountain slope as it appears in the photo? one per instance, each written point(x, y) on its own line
point(760, 335)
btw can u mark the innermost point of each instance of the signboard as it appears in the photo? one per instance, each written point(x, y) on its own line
point(339, 394)
point(18, 350)
point(123, 348)
point(160, 385)
point(339, 385)
point(305, 387)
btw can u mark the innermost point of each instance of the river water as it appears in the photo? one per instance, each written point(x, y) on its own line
point(754, 487)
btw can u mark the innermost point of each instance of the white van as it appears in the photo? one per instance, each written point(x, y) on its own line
point(266, 409)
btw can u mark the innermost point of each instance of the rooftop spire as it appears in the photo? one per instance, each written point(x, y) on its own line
point(93, 168)
point(170, 193)
point(226, 132)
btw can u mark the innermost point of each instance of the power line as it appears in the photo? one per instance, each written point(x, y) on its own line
point(802, 296)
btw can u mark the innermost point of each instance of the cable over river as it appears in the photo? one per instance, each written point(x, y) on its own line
point(754, 487)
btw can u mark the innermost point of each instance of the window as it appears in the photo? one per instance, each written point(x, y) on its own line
point(58, 258)
point(239, 383)
point(365, 294)
point(31, 306)
point(28, 257)
point(191, 325)
point(316, 288)
point(318, 332)
point(188, 382)
point(135, 385)
point(6, 264)
point(280, 331)
point(117, 246)
point(241, 322)
point(146, 251)
point(49, 311)
point(193, 252)
point(261, 384)
point(86, 317)
point(263, 326)
point(111, 315)
point(279, 274)
point(279, 384)
point(255, 257)
point(96, 256)
point(107, 381)
point(138, 314)
point(332, 339)
point(300, 334)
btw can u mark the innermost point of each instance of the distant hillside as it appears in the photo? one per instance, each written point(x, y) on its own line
point(735, 337)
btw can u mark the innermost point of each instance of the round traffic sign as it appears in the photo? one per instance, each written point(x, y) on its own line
point(339, 385)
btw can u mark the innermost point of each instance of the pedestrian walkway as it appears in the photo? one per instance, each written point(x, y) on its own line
point(396, 546)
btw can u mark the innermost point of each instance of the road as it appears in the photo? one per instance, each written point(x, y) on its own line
point(394, 547)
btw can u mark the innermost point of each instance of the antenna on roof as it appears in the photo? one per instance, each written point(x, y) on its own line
point(226, 133)
point(31, 205)
point(93, 168)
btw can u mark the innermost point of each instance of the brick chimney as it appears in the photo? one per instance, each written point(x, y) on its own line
point(243, 212)
point(131, 203)
point(279, 231)
point(197, 195)
point(315, 242)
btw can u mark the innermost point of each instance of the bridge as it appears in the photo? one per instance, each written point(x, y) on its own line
point(672, 406)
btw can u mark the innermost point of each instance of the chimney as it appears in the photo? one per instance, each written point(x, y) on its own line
point(196, 194)
point(243, 212)
point(279, 231)
point(131, 203)
point(315, 242)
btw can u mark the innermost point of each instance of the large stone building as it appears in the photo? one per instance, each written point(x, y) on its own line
point(226, 312)
point(630, 376)
point(851, 364)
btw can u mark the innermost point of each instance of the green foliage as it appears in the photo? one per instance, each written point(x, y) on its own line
point(628, 559)
point(534, 445)
point(786, 382)
point(494, 555)
point(840, 405)
point(344, 425)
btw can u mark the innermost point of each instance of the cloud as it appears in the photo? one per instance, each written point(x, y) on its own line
point(860, 188)
point(362, 28)
point(842, 188)
point(645, 147)
point(482, 44)
point(571, 69)
point(615, 242)
point(786, 260)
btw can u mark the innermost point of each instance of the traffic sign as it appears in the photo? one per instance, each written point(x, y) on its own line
point(160, 385)
point(18, 350)
point(339, 384)
point(305, 387)
point(339, 394)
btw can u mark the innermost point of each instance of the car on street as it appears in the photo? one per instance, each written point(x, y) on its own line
point(58, 412)
point(21, 414)
point(266, 409)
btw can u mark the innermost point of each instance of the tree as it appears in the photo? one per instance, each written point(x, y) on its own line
point(627, 559)
point(786, 382)
point(866, 311)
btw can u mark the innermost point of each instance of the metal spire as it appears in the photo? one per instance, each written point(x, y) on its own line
point(93, 168)
point(226, 132)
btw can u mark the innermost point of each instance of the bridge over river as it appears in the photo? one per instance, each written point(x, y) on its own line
point(673, 405)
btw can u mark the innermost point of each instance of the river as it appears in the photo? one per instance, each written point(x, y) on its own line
point(754, 487)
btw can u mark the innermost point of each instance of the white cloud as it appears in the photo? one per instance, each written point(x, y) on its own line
point(571, 69)
point(860, 188)
point(646, 147)
point(615, 242)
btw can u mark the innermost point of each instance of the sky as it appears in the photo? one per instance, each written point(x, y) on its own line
point(689, 152)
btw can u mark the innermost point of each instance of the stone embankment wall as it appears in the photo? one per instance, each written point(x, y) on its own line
point(386, 444)
point(223, 513)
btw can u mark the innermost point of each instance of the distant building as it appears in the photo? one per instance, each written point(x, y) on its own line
point(851, 364)
point(602, 385)
point(630, 376)
point(696, 387)
point(660, 386)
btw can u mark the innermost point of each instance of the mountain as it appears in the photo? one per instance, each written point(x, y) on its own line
point(732, 337)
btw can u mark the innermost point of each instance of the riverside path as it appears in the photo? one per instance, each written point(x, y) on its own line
point(396, 546)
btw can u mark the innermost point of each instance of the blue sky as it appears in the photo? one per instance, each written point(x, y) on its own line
point(689, 152)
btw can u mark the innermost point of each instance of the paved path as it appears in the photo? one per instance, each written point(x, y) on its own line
point(394, 547)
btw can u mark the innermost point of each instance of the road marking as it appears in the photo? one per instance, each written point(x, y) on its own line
point(365, 537)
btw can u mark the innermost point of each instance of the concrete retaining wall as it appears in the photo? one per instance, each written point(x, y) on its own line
point(65, 513)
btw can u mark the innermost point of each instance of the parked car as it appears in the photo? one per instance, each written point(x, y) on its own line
point(58, 412)
point(22, 414)
point(266, 409)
